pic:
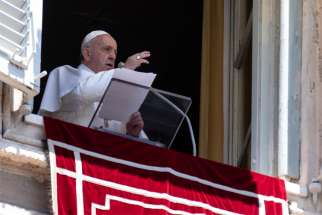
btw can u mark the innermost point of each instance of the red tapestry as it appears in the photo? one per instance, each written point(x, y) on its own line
point(99, 173)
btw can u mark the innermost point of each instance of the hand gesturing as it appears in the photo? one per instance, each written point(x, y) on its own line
point(134, 61)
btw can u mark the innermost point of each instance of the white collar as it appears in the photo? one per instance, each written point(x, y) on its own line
point(83, 67)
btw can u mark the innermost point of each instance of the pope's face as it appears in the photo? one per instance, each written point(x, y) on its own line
point(101, 53)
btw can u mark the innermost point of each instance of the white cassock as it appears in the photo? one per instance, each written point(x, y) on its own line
point(72, 95)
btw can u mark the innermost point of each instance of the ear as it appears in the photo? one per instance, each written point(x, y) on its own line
point(86, 54)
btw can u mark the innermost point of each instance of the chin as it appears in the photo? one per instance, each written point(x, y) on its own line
point(109, 67)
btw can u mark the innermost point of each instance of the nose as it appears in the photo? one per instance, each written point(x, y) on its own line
point(112, 55)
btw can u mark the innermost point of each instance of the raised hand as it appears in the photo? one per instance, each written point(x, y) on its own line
point(134, 61)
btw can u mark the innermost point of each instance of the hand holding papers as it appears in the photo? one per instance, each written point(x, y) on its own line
point(131, 91)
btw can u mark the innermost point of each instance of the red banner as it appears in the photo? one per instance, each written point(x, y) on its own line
point(99, 173)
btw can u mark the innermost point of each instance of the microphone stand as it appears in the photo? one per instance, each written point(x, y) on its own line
point(192, 137)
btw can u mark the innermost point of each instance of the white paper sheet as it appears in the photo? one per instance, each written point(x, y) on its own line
point(141, 78)
point(125, 94)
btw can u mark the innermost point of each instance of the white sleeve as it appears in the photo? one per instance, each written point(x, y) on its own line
point(91, 89)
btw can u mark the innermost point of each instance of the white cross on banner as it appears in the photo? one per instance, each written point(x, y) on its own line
point(98, 173)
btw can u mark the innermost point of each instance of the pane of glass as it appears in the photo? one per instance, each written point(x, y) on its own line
point(161, 118)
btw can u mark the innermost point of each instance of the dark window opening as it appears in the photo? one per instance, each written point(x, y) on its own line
point(171, 30)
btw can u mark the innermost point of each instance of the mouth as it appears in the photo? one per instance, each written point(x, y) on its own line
point(110, 65)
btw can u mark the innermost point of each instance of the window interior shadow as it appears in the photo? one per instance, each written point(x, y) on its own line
point(171, 30)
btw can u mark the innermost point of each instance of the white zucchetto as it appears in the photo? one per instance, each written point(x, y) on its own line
point(91, 36)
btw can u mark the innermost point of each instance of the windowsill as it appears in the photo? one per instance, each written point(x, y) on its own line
point(296, 189)
point(34, 119)
point(28, 132)
point(23, 148)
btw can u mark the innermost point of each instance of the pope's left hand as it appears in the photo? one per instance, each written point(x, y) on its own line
point(135, 124)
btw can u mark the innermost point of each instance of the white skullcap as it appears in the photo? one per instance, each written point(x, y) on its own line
point(91, 36)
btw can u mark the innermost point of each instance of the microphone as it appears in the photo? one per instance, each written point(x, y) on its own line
point(40, 75)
